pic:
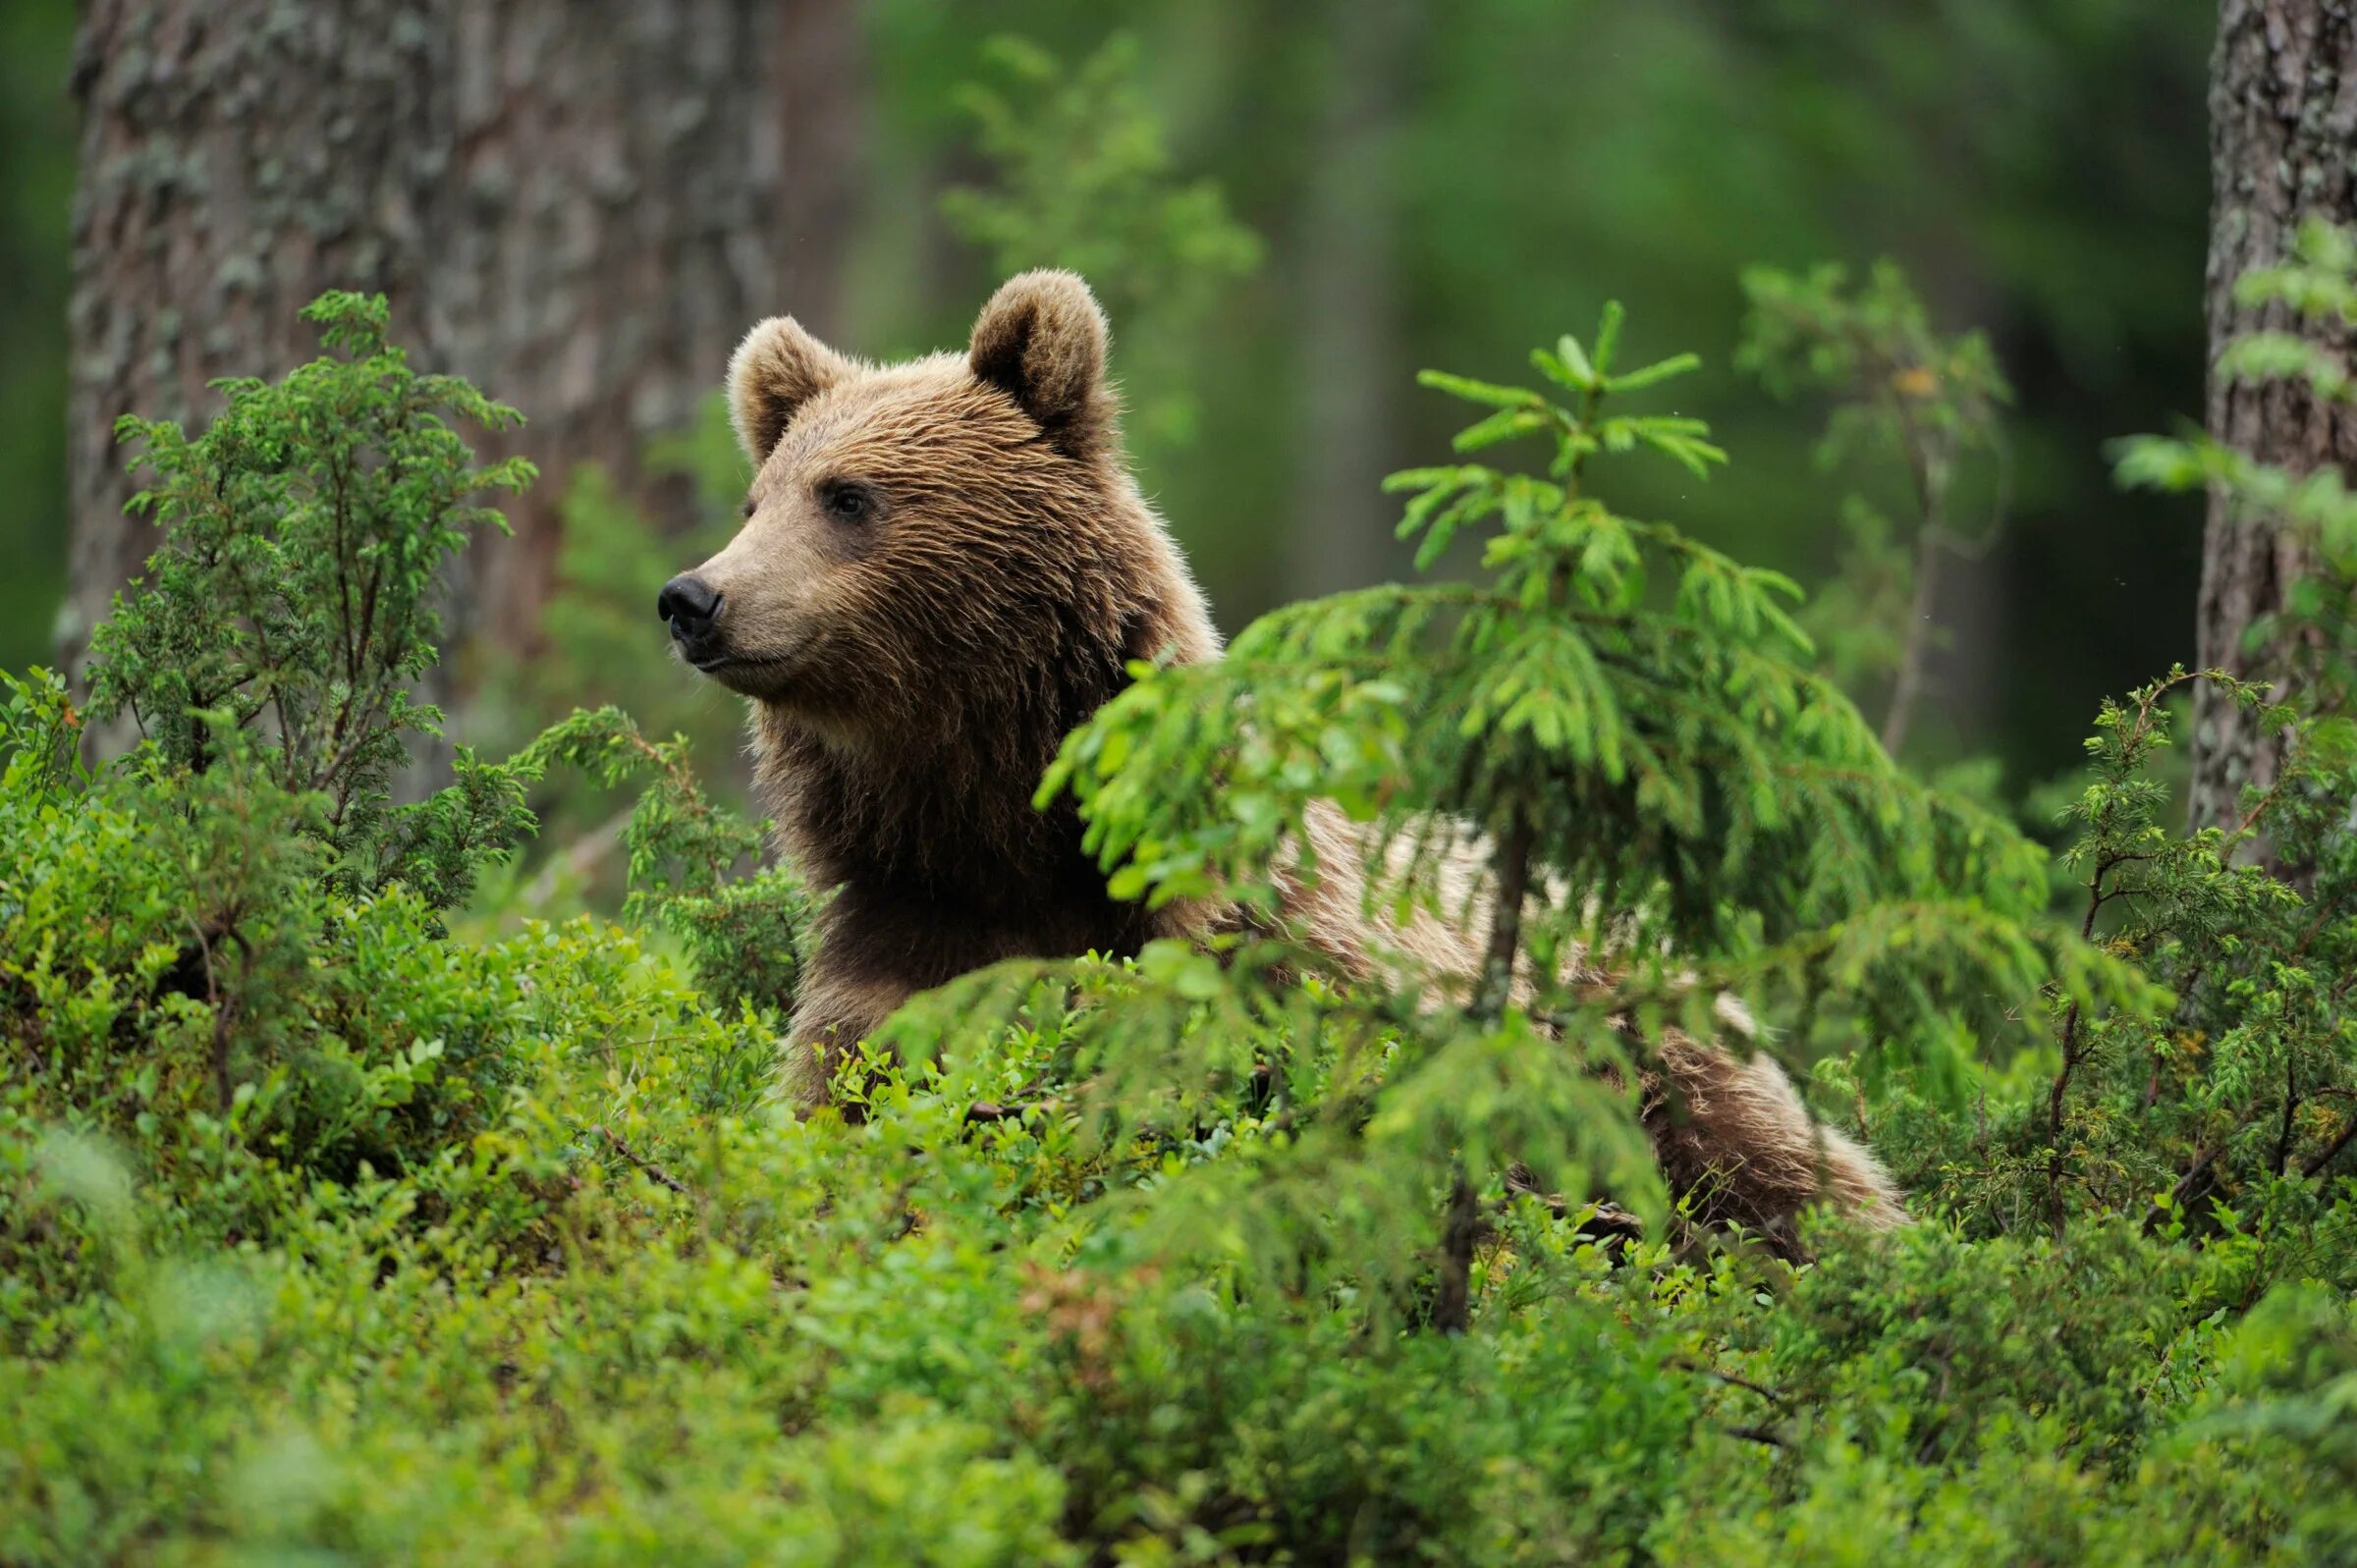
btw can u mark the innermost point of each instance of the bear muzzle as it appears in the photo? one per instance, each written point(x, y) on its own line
point(690, 607)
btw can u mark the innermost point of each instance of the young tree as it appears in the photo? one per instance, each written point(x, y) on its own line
point(581, 201)
point(2283, 116)
point(1903, 393)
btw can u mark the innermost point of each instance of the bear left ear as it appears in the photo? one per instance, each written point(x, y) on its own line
point(777, 369)
point(1041, 341)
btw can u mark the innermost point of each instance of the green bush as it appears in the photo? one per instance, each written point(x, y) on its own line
point(333, 1229)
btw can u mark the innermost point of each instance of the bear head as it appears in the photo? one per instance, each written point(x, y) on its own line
point(950, 543)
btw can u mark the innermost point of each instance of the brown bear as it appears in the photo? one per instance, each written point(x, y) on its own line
point(944, 568)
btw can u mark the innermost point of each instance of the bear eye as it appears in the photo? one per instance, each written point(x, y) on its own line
point(847, 503)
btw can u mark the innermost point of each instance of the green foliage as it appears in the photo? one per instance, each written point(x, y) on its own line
point(224, 951)
point(328, 1232)
point(1904, 394)
point(2227, 1116)
point(2254, 1088)
point(1628, 714)
point(304, 531)
point(744, 934)
point(2294, 1375)
point(184, 977)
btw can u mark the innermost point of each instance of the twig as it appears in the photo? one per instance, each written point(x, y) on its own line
point(1908, 684)
point(1733, 1382)
point(1452, 1307)
point(1758, 1434)
point(221, 1017)
point(1505, 928)
point(645, 1166)
point(2291, 1105)
point(1929, 458)
point(2187, 1185)
point(2097, 898)
point(2315, 1167)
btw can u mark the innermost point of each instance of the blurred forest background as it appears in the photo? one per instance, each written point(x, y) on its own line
point(612, 192)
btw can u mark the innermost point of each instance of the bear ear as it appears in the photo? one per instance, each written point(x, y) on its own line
point(777, 369)
point(1041, 341)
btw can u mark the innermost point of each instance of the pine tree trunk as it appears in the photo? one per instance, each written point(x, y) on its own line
point(579, 204)
point(2283, 147)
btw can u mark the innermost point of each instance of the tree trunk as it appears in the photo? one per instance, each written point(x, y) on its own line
point(2283, 147)
point(577, 204)
point(1342, 537)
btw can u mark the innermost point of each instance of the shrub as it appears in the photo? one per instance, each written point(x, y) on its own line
point(305, 533)
point(225, 954)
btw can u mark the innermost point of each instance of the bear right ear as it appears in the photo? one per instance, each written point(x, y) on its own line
point(777, 369)
point(1041, 341)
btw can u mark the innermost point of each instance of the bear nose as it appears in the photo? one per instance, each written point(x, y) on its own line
point(688, 603)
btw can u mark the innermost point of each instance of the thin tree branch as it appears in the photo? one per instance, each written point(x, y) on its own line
point(1506, 924)
point(2315, 1167)
point(1453, 1303)
point(645, 1166)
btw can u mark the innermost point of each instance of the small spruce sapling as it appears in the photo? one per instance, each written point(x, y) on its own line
point(1615, 707)
point(1627, 720)
point(2150, 894)
point(2219, 1115)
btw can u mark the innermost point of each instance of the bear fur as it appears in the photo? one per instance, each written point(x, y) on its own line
point(946, 566)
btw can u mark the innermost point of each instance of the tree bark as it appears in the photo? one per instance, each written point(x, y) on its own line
point(2282, 148)
point(577, 204)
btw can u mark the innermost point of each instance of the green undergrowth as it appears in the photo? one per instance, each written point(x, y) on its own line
point(340, 1224)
